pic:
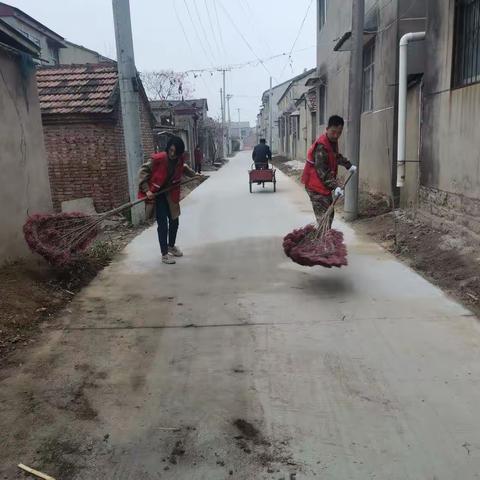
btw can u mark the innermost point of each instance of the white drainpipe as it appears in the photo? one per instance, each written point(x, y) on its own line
point(402, 103)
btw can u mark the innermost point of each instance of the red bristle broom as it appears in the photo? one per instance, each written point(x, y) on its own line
point(61, 237)
point(318, 244)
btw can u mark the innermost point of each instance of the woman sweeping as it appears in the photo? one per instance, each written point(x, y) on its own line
point(161, 171)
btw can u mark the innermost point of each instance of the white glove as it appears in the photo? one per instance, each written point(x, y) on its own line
point(352, 169)
point(339, 192)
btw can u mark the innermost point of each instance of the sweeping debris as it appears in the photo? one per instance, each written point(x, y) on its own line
point(62, 237)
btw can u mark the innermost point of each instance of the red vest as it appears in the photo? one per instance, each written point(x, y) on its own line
point(310, 176)
point(160, 174)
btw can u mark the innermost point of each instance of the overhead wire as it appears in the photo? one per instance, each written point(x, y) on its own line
point(199, 16)
point(297, 37)
point(214, 33)
point(220, 30)
point(197, 35)
point(182, 26)
point(244, 39)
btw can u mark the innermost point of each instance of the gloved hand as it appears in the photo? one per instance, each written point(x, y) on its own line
point(339, 192)
point(352, 169)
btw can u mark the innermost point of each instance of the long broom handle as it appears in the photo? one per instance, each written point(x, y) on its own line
point(335, 200)
point(140, 200)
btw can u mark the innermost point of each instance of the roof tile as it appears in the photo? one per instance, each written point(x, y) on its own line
point(68, 89)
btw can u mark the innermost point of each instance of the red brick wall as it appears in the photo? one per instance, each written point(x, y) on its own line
point(88, 160)
point(147, 131)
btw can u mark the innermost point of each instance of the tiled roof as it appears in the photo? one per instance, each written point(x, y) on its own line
point(71, 89)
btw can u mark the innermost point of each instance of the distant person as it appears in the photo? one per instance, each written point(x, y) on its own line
point(320, 172)
point(163, 170)
point(261, 155)
point(198, 156)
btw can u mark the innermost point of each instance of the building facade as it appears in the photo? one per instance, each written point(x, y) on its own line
point(49, 42)
point(450, 158)
point(384, 24)
point(24, 184)
point(294, 117)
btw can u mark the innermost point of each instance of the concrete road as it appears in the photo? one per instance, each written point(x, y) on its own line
point(237, 363)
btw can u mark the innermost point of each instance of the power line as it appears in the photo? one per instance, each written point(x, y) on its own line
point(201, 26)
point(297, 37)
point(188, 41)
point(244, 39)
point(248, 63)
point(220, 31)
point(197, 35)
point(212, 28)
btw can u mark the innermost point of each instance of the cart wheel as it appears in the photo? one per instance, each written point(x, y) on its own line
point(250, 187)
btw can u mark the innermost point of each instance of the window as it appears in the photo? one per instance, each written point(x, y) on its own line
point(322, 13)
point(322, 103)
point(368, 76)
point(466, 66)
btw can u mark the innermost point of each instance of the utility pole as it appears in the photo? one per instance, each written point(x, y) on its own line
point(130, 102)
point(355, 107)
point(270, 115)
point(229, 141)
point(222, 106)
point(225, 144)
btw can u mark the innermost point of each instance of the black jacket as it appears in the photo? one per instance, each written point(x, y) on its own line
point(261, 153)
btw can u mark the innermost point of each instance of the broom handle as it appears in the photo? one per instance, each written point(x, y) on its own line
point(335, 200)
point(140, 200)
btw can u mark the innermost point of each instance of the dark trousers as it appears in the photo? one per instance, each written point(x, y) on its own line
point(321, 204)
point(198, 167)
point(166, 227)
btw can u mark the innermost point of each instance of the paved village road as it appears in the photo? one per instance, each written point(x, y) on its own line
point(237, 363)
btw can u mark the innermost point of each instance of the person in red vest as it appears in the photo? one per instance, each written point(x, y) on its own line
point(162, 170)
point(198, 157)
point(320, 172)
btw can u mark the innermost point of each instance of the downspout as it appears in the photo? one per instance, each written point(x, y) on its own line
point(402, 102)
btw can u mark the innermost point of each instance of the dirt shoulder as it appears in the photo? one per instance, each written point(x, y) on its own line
point(31, 291)
point(446, 258)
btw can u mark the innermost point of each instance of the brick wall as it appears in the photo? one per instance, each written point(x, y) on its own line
point(451, 209)
point(147, 131)
point(87, 159)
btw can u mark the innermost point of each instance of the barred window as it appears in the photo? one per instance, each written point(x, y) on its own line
point(466, 64)
point(368, 76)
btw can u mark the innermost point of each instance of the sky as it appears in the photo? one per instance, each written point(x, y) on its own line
point(182, 35)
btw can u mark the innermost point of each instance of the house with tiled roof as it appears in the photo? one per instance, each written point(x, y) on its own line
point(24, 185)
point(81, 116)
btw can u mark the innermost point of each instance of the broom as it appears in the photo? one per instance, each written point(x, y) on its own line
point(60, 237)
point(318, 245)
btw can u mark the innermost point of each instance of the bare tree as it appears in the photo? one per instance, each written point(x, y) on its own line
point(167, 84)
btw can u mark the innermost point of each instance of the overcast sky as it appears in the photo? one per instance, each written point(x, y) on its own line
point(269, 28)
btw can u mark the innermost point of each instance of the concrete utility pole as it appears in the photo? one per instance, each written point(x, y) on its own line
point(270, 115)
point(130, 102)
point(229, 140)
point(222, 107)
point(355, 107)
point(223, 113)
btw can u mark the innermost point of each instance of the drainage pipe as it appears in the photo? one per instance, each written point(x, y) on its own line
point(402, 102)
